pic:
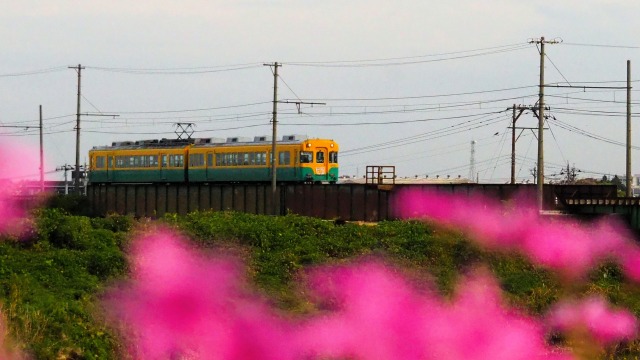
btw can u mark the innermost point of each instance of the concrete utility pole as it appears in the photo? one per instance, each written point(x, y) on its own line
point(76, 177)
point(520, 109)
point(540, 195)
point(472, 161)
point(628, 182)
point(274, 132)
point(513, 141)
point(41, 155)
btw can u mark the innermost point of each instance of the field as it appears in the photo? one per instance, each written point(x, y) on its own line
point(52, 282)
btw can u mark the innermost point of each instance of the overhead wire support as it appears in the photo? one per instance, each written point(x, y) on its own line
point(298, 103)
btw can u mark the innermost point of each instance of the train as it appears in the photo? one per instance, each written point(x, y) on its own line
point(299, 159)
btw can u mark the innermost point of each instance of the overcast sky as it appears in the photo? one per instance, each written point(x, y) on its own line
point(408, 83)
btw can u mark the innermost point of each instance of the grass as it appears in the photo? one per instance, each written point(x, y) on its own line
point(51, 283)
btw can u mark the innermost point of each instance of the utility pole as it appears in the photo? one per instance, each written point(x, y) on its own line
point(274, 123)
point(628, 182)
point(513, 141)
point(274, 132)
point(65, 168)
point(472, 161)
point(540, 195)
point(41, 155)
point(76, 177)
point(520, 109)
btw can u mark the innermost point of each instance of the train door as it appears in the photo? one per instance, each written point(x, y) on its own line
point(321, 162)
point(110, 163)
point(163, 166)
point(210, 164)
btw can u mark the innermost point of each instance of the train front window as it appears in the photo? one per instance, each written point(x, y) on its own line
point(306, 157)
point(333, 157)
point(320, 157)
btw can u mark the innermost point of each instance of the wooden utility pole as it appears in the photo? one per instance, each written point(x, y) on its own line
point(628, 182)
point(41, 155)
point(76, 177)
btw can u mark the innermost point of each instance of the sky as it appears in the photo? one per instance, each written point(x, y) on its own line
point(406, 83)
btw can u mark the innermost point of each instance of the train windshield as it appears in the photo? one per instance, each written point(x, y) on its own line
point(333, 157)
point(306, 157)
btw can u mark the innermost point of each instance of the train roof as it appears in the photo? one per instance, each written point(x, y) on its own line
point(201, 142)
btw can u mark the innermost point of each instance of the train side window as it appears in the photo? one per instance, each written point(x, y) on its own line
point(263, 158)
point(196, 159)
point(333, 157)
point(245, 160)
point(320, 157)
point(306, 157)
point(110, 162)
point(172, 162)
point(99, 162)
point(132, 161)
point(180, 160)
point(164, 160)
point(209, 159)
point(284, 158)
point(252, 158)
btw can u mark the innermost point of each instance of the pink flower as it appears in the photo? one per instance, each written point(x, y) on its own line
point(594, 315)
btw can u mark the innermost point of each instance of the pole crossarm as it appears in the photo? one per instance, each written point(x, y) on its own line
point(586, 87)
point(298, 103)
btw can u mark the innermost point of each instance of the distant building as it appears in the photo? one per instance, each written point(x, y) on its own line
point(635, 185)
point(32, 187)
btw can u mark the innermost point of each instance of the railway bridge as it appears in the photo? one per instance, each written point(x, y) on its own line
point(348, 202)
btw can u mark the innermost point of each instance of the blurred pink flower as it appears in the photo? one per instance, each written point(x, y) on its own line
point(563, 245)
point(16, 161)
point(184, 303)
point(376, 314)
point(181, 303)
point(594, 314)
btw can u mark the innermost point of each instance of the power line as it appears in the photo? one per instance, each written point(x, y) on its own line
point(602, 45)
point(394, 121)
point(35, 72)
point(410, 60)
point(425, 96)
point(176, 71)
point(192, 110)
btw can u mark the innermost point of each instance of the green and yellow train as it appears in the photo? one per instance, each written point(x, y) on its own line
point(232, 160)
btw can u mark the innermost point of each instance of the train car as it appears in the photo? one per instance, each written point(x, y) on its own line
point(298, 159)
point(145, 161)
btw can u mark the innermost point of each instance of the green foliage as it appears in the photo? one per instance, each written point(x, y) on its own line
point(72, 204)
point(49, 290)
point(50, 287)
point(114, 222)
